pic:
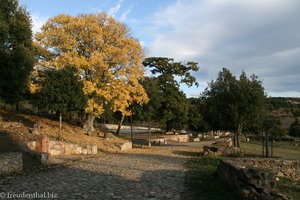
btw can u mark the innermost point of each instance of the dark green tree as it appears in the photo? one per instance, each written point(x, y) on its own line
point(16, 51)
point(235, 104)
point(150, 112)
point(196, 120)
point(173, 105)
point(61, 92)
point(295, 128)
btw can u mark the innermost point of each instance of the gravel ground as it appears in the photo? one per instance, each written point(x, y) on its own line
point(145, 173)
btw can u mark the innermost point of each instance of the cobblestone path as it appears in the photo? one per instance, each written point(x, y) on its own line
point(141, 174)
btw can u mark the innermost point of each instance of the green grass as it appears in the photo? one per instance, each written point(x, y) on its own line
point(281, 149)
point(289, 187)
point(202, 183)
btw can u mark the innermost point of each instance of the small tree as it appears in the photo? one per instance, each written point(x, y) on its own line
point(61, 91)
point(235, 104)
point(295, 128)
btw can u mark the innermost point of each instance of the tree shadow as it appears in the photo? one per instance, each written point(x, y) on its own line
point(72, 182)
point(9, 116)
point(188, 153)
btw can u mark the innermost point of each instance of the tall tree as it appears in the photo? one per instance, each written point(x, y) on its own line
point(174, 105)
point(195, 117)
point(16, 52)
point(107, 57)
point(236, 104)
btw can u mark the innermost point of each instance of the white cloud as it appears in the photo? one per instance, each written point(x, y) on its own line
point(38, 21)
point(125, 14)
point(115, 9)
point(257, 36)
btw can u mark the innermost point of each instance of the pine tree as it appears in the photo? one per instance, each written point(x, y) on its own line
point(16, 52)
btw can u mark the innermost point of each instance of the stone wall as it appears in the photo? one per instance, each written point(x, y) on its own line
point(255, 178)
point(281, 168)
point(178, 137)
point(63, 148)
point(55, 148)
point(11, 162)
point(124, 127)
point(248, 182)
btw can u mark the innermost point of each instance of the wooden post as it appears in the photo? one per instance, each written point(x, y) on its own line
point(271, 146)
point(60, 122)
point(131, 132)
point(149, 127)
point(262, 143)
point(267, 144)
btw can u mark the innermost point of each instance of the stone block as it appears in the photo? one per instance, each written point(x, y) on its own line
point(94, 149)
point(54, 152)
point(42, 144)
point(78, 150)
point(126, 146)
point(89, 149)
point(70, 149)
point(84, 151)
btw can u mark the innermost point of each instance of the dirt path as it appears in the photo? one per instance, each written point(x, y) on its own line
point(146, 173)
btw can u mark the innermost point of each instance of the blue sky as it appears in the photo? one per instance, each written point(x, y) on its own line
point(260, 37)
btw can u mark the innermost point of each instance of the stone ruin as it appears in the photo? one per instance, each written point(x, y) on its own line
point(255, 178)
point(222, 148)
point(55, 148)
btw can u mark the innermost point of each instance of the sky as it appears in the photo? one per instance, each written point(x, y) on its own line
point(260, 37)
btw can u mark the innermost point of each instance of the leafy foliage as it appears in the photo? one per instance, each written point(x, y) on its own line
point(61, 91)
point(170, 102)
point(235, 104)
point(107, 58)
point(295, 128)
point(196, 120)
point(16, 52)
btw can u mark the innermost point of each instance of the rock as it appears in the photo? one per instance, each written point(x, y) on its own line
point(78, 150)
point(280, 174)
point(126, 146)
point(94, 149)
point(84, 151)
point(54, 152)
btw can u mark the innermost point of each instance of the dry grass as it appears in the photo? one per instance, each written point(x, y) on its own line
point(11, 136)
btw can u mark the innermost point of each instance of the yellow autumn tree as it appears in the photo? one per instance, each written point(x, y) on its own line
point(108, 59)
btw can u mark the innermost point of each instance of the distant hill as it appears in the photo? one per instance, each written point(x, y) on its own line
point(286, 108)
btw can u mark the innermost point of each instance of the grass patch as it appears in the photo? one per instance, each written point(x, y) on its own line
point(289, 187)
point(281, 149)
point(201, 182)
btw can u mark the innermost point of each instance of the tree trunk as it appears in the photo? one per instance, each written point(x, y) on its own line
point(60, 122)
point(271, 146)
point(17, 106)
point(131, 131)
point(263, 143)
point(120, 124)
point(89, 123)
point(267, 148)
point(234, 141)
point(237, 140)
point(239, 132)
point(149, 127)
